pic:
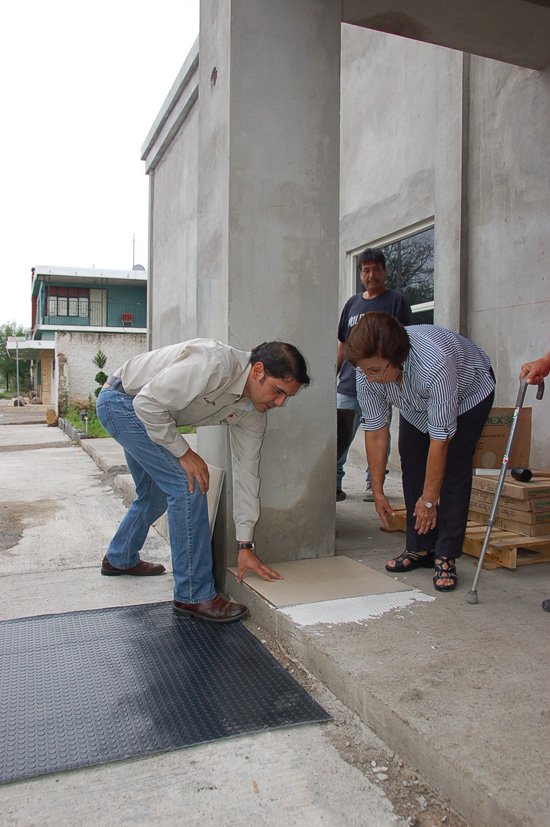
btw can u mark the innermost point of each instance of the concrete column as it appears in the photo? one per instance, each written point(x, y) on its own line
point(451, 190)
point(267, 247)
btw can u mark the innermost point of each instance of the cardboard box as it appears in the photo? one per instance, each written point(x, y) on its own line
point(494, 439)
point(532, 504)
point(528, 530)
point(538, 488)
point(514, 514)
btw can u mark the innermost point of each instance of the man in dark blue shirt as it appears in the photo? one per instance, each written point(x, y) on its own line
point(376, 296)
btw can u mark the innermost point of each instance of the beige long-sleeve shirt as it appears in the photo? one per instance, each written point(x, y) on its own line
point(200, 382)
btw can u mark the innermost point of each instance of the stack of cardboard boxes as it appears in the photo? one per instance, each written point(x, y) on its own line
point(524, 507)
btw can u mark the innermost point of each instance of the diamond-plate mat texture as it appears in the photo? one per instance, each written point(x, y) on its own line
point(88, 687)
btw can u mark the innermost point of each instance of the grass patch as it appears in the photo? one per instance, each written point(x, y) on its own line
point(7, 394)
point(95, 428)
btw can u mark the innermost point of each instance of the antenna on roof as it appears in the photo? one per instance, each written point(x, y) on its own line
point(133, 250)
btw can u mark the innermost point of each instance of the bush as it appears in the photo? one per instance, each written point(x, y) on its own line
point(100, 377)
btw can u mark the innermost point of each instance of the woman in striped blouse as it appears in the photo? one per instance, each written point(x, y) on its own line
point(444, 386)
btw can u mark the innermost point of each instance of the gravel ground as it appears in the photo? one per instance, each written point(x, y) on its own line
point(356, 744)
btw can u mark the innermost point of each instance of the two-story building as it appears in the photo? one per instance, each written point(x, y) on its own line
point(77, 312)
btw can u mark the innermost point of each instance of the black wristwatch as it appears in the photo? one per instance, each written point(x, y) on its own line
point(250, 545)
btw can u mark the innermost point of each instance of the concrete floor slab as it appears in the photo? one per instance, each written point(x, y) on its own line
point(12, 436)
point(460, 690)
point(66, 513)
point(25, 415)
point(271, 778)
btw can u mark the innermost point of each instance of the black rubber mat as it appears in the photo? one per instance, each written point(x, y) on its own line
point(89, 687)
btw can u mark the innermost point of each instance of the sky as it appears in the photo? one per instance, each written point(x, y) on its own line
point(82, 84)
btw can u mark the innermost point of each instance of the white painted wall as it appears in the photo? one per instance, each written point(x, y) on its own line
point(74, 354)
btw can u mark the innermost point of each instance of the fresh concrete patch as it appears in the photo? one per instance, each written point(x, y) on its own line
point(353, 609)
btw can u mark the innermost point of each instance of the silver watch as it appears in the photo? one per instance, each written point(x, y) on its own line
point(426, 502)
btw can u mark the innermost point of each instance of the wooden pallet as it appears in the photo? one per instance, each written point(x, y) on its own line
point(506, 548)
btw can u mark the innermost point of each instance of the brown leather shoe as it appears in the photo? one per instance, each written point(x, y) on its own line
point(216, 610)
point(143, 569)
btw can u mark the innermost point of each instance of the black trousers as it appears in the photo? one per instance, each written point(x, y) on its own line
point(454, 499)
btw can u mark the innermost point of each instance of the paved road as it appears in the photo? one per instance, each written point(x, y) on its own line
point(61, 512)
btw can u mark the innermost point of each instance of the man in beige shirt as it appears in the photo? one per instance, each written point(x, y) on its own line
point(199, 382)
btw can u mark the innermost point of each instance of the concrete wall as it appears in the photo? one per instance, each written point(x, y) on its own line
point(268, 238)
point(173, 240)
point(74, 354)
point(426, 133)
point(508, 295)
point(261, 146)
point(388, 88)
point(430, 131)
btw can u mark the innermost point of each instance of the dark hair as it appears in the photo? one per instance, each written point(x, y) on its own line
point(282, 361)
point(372, 254)
point(377, 334)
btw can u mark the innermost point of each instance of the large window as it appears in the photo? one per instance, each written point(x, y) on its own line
point(410, 264)
point(68, 302)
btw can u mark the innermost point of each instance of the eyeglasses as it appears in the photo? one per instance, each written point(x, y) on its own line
point(376, 374)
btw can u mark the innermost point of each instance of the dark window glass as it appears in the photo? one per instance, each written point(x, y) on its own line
point(73, 301)
point(410, 265)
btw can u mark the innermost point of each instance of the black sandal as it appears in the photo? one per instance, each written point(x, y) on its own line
point(417, 560)
point(448, 573)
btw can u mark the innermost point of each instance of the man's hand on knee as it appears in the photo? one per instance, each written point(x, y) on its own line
point(196, 469)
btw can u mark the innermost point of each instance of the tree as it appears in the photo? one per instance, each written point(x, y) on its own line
point(7, 364)
point(101, 377)
point(410, 267)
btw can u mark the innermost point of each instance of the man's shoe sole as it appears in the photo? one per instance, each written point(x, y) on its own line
point(187, 613)
point(131, 573)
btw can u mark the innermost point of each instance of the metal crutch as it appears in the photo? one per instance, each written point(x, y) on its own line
point(471, 597)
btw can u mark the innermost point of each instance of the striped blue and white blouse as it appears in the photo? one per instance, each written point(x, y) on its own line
point(444, 376)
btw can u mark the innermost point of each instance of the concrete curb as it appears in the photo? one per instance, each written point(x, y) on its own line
point(71, 431)
point(467, 794)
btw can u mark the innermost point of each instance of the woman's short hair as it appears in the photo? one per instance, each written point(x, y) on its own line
point(377, 334)
point(281, 361)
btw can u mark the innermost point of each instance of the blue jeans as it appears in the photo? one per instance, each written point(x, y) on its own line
point(347, 403)
point(350, 403)
point(161, 484)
